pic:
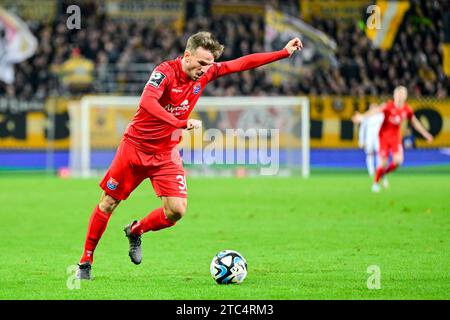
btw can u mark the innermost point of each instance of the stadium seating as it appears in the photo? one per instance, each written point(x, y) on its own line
point(125, 52)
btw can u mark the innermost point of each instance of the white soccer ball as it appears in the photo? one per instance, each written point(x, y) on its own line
point(228, 266)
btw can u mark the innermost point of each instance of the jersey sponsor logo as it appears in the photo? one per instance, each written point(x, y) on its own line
point(177, 110)
point(177, 90)
point(395, 119)
point(156, 78)
point(112, 184)
point(197, 88)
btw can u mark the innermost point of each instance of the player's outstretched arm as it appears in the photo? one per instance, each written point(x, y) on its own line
point(359, 117)
point(256, 60)
point(419, 127)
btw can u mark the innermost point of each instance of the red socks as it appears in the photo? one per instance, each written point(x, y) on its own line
point(97, 225)
point(155, 220)
point(379, 174)
point(391, 168)
point(381, 171)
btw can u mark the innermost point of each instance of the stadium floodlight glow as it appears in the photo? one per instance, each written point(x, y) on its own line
point(98, 122)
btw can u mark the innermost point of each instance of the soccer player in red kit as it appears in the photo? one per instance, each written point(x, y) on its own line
point(390, 136)
point(148, 147)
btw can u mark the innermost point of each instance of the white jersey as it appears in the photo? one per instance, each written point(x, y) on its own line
point(368, 132)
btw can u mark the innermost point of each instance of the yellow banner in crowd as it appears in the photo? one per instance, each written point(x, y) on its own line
point(233, 8)
point(40, 10)
point(331, 125)
point(446, 58)
point(342, 9)
point(136, 9)
point(390, 13)
point(159, 11)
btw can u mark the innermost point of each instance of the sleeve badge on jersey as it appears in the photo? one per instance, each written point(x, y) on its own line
point(156, 78)
point(112, 184)
point(197, 88)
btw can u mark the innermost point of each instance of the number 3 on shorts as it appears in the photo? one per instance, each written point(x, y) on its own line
point(182, 181)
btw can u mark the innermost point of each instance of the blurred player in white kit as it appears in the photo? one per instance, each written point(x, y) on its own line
point(368, 138)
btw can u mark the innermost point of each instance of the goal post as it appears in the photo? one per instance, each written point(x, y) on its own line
point(280, 124)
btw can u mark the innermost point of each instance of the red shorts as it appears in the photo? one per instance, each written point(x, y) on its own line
point(131, 166)
point(389, 145)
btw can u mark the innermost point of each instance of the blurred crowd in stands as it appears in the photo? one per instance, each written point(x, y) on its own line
point(414, 61)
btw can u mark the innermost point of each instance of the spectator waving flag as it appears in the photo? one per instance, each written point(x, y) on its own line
point(318, 48)
point(17, 44)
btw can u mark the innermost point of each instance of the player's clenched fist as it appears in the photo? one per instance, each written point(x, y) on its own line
point(294, 45)
point(193, 124)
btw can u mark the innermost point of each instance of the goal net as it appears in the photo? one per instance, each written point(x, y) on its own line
point(239, 135)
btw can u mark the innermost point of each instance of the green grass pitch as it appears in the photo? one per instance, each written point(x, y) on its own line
point(303, 239)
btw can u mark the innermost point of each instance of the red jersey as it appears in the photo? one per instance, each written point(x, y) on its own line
point(393, 117)
point(170, 96)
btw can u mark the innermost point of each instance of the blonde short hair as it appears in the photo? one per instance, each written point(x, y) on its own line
point(206, 41)
point(403, 88)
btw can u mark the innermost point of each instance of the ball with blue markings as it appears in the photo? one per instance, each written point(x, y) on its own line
point(228, 266)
